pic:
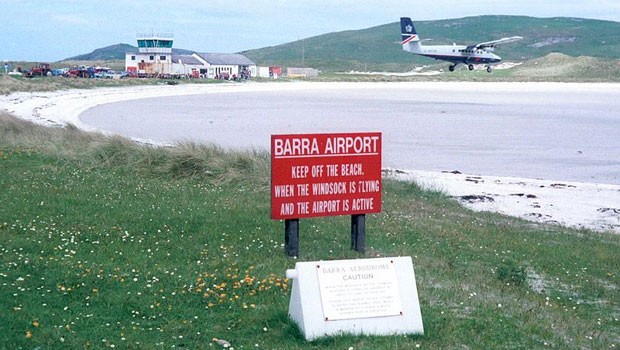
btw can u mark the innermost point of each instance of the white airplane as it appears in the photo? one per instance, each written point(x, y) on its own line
point(481, 53)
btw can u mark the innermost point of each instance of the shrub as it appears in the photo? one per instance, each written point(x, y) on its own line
point(511, 273)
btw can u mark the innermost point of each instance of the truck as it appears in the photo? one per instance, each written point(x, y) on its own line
point(41, 70)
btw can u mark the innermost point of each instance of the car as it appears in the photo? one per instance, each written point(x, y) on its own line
point(59, 72)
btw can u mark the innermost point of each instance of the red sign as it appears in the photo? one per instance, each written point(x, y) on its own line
point(325, 175)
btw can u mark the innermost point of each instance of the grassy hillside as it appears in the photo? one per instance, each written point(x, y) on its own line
point(114, 52)
point(552, 67)
point(377, 49)
point(562, 67)
point(109, 244)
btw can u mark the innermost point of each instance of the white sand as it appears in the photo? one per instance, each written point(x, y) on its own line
point(573, 204)
point(581, 205)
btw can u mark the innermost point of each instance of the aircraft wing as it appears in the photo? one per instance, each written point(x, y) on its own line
point(494, 43)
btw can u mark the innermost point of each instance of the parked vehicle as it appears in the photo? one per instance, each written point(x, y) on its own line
point(103, 74)
point(42, 70)
point(58, 72)
point(79, 72)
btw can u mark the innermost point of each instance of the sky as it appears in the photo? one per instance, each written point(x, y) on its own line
point(48, 31)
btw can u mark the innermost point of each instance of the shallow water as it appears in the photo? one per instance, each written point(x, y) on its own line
point(549, 131)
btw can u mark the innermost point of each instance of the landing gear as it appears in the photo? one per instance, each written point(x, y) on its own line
point(489, 69)
point(470, 66)
point(451, 68)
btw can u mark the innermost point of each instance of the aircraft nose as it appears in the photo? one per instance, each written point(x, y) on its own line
point(496, 58)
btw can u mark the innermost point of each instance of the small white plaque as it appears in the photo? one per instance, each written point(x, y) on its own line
point(358, 289)
point(345, 299)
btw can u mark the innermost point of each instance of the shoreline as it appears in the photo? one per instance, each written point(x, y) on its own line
point(573, 204)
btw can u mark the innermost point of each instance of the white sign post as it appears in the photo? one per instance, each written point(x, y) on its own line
point(363, 296)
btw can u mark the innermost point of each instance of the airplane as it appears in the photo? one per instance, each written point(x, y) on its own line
point(481, 53)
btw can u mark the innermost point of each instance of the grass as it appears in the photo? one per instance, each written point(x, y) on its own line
point(105, 243)
point(553, 67)
point(556, 66)
point(11, 84)
point(550, 68)
point(377, 49)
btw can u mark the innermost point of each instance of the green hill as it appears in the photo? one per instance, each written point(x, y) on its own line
point(113, 52)
point(376, 48)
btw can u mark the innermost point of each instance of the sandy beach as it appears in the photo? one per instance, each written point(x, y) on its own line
point(574, 204)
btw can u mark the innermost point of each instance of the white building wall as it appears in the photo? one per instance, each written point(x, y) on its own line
point(161, 63)
point(149, 63)
point(263, 72)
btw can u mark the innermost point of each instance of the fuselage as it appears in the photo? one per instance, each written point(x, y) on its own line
point(456, 54)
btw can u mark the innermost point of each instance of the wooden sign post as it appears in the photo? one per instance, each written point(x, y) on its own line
point(315, 175)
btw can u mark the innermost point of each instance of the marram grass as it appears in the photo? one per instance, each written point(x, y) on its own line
point(105, 243)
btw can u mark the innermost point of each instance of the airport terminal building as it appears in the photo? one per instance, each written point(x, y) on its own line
point(155, 59)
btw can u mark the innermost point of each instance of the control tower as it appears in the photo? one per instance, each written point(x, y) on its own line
point(154, 56)
point(155, 42)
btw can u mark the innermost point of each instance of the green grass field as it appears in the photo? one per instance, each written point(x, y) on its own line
point(108, 244)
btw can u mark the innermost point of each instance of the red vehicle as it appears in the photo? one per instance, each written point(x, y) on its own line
point(78, 72)
point(42, 70)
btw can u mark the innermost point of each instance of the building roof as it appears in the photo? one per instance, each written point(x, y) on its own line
point(186, 59)
point(226, 59)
